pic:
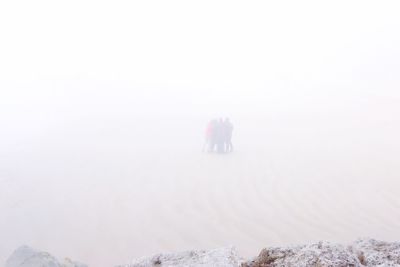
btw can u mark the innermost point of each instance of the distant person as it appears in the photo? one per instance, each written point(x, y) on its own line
point(209, 137)
point(228, 129)
point(220, 136)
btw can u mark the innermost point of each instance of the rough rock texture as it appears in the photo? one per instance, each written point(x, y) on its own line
point(318, 254)
point(223, 257)
point(377, 253)
point(363, 252)
point(28, 257)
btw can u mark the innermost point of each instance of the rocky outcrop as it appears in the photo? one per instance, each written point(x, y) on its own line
point(377, 253)
point(319, 255)
point(28, 257)
point(223, 257)
point(363, 252)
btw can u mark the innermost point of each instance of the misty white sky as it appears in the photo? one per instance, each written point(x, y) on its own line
point(209, 58)
point(90, 83)
point(227, 46)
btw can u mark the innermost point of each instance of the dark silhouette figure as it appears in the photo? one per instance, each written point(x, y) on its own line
point(218, 136)
point(228, 129)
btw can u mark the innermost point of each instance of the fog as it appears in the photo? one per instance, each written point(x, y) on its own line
point(104, 106)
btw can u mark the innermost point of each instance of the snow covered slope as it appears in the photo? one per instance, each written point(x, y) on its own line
point(25, 256)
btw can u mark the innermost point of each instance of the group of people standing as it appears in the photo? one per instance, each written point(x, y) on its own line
point(219, 136)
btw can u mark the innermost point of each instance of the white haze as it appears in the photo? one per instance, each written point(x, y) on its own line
point(103, 107)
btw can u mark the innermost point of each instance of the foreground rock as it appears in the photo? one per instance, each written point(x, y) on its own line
point(377, 253)
point(318, 254)
point(28, 257)
point(364, 252)
point(223, 257)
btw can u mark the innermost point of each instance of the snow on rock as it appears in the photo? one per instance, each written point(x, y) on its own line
point(70, 263)
point(377, 253)
point(322, 254)
point(222, 257)
point(363, 252)
point(28, 257)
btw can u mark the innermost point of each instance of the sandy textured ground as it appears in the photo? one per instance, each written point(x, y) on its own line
point(104, 203)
